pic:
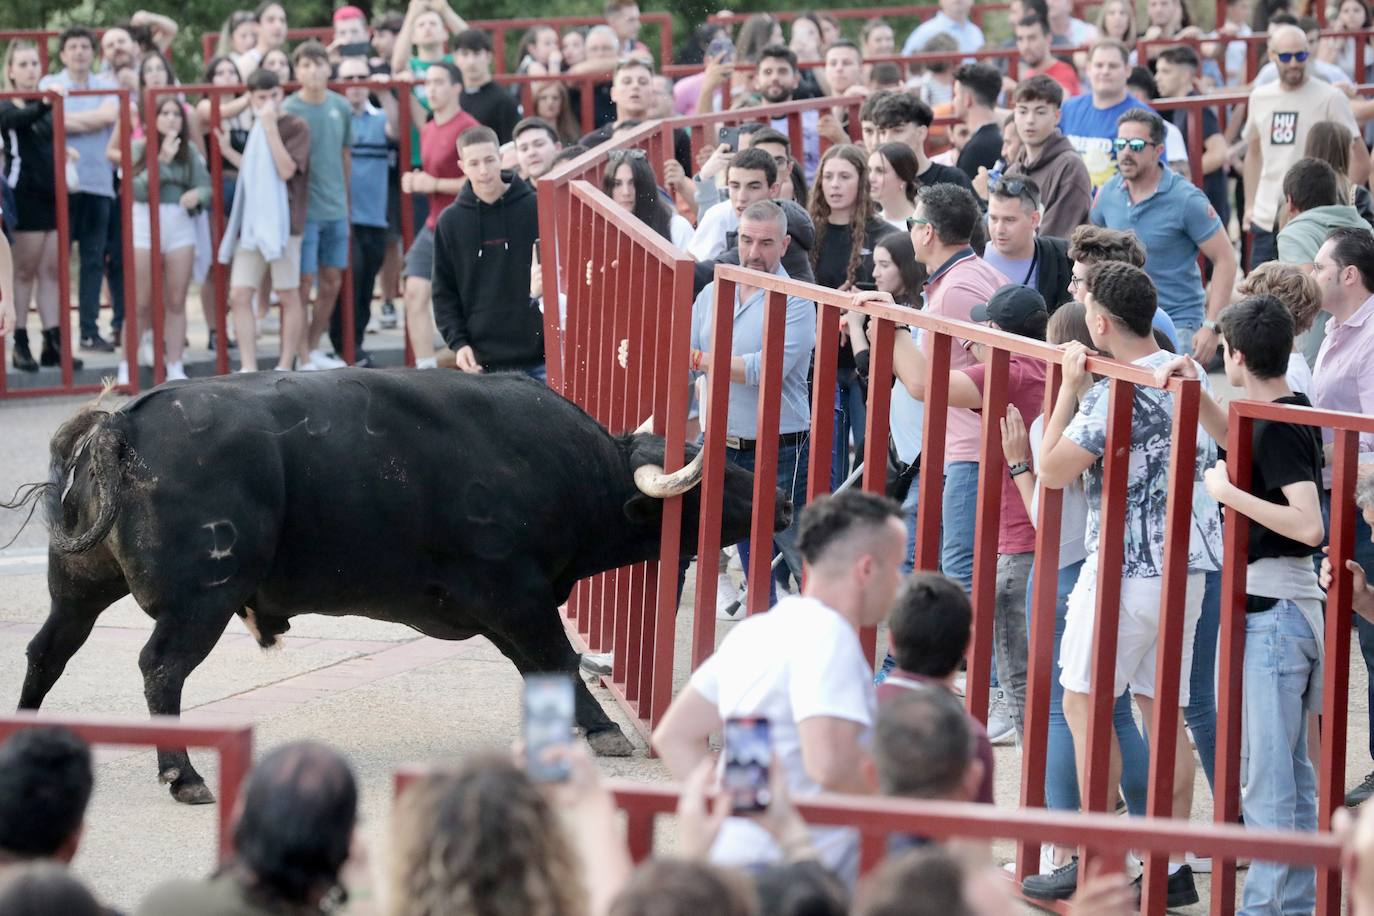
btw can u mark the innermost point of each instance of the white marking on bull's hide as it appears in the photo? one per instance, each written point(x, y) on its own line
point(250, 621)
point(216, 551)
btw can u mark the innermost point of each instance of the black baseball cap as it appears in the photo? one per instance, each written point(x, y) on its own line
point(1011, 307)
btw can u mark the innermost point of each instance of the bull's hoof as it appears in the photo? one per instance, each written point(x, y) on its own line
point(193, 793)
point(610, 742)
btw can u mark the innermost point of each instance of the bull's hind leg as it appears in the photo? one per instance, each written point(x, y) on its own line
point(72, 615)
point(181, 640)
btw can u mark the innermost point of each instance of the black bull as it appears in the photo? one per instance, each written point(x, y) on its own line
point(458, 505)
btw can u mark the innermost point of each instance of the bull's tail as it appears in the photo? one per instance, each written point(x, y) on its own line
point(94, 434)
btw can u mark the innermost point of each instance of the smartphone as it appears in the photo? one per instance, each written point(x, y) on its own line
point(548, 724)
point(730, 137)
point(748, 759)
point(721, 45)
point(356, 49)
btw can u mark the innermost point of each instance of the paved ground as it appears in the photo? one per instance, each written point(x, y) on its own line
point(377, 691)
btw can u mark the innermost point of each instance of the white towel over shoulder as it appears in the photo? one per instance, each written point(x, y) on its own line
point(264, 223)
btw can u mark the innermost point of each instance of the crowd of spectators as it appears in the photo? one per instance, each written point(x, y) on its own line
point(1056, 206)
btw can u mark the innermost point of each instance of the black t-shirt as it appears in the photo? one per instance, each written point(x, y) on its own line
point(493, 107)
point(946, 174)
point(1282, 454)
point(983, 148)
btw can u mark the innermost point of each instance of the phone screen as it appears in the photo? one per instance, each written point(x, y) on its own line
point(721, 45)
point(748, 757)
point(356, 49)
point(548, 723)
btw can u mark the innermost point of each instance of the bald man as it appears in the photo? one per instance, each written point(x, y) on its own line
point(1281, 114)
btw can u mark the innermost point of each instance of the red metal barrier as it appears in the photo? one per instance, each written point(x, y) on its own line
point(233, 743)
point(60, 206)
point(1231, 645)
point(978, 14)
point(499, 29)
point(639, 289)
point(877, 819)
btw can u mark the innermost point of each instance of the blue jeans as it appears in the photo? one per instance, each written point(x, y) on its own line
point(1281, 668)
point(851, 413)
point(792, 464)
point(1200, 714)
point(90, 230)
point(324, 244)
point(1061, 774)
point(1364, 555)
point(958, 516)
point(114, 262)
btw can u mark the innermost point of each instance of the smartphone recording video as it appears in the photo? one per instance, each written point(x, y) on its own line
point(548, 724)
point(730, 137)
point(748, 758)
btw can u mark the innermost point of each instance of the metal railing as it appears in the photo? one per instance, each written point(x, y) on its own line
point(233, 743)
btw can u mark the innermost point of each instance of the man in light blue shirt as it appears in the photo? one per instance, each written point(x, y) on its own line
point(1175, 222)
point(89, 120)
point(952, 20)
point(762, 240)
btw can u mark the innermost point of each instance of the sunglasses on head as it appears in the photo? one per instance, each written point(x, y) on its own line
point(1135, 144)
point(1290, 56)
point(1010, 187)
point(628, 154)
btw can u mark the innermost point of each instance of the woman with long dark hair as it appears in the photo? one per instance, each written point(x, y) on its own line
point(893, 184)
point(847, 226)
point(26, 134)
point(183, 192)
point(629, 181)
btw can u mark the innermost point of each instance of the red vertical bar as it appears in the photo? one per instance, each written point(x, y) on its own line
point(549, 267)
point(126, 203)
point(207, 46)
point(665, 42)
point(155, 298)
point(1178, 513)
point(588, 115)
point(499, 47)
point(235, 760)
point(1230, 659)
point(876, 435)
point(932, 479)
point(639, 834)
point(1040, 667)
point(1110, 557)
point(765, 448)
point(714, 406)
point(1336, 676)
point(823, 401)
point(403, 132)
point(218, 270)
point(64, 231)
point(796, 136)
point(991, 471)
point(1195, 147)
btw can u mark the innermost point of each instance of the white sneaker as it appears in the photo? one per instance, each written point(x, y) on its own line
point(1000, 727)
point(283, 368)
point(598, 663)
point(373, 325)
point(307, 367)
point(122, 373)
point(729, 601)
point(1201, 865)
point(145, 348)
point(176, 372)
point(323, 360)
point(734, 563)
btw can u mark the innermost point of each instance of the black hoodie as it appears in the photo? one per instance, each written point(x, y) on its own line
point(482, 256)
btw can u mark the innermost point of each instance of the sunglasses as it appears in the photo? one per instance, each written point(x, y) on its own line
point(354, 78)
point(628, 154)
point(1136, 145)
point(913, 221)
point(1290, 56)
point(1010, 187)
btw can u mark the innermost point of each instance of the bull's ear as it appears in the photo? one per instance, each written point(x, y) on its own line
point(644, 510)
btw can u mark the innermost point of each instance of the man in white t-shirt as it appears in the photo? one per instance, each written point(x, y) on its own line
point(801, 666)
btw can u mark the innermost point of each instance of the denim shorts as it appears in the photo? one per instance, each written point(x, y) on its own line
point(324, 244)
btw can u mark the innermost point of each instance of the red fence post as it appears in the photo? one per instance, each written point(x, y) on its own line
point(156, 301)
point(64, 230)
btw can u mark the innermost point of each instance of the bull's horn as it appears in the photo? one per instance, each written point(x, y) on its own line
point(653, 482)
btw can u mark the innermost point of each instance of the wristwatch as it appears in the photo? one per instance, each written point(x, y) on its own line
point(1021, 467)
point(1211, 326)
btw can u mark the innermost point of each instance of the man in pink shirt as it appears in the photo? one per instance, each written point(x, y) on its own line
point(1343, 379)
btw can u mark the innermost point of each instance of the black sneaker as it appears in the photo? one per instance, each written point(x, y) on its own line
point(1358, 795)
point(96, 343)
point(1180, 891)
point(1060, 884)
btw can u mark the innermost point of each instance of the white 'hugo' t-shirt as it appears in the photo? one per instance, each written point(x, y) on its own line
point(798, 661)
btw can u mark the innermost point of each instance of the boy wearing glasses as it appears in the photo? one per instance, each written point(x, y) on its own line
point(1175, 221)
point(1281, 113)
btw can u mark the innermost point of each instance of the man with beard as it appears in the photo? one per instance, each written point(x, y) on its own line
point(1281, 114)
point(1175, 222)
point(775, 81)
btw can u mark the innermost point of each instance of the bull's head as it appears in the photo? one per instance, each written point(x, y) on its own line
point(654, 486)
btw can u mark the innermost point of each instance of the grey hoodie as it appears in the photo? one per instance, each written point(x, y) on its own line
point(1304, 234)
point(1065, 187)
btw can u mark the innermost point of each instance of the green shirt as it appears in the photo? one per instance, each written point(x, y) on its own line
point(174, 178)
point(331, 134)
point(218, 896)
